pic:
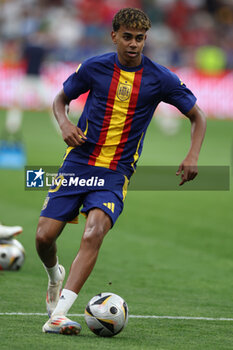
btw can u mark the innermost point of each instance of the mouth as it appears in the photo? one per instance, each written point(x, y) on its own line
point(132, 53)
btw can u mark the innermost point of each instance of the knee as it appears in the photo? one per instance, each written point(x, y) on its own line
point(93, 236)
point(43, 238)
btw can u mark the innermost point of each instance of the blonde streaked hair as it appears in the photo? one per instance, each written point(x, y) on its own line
point(131, 18)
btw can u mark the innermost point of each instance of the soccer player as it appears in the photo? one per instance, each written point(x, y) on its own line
point(124, 90)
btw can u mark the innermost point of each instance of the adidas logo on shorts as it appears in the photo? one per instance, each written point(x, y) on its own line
point(110, 206)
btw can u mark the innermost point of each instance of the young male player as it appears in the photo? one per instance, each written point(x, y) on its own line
point(124, 90)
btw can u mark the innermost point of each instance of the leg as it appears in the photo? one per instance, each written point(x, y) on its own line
point(97, 225)
point(48, 231)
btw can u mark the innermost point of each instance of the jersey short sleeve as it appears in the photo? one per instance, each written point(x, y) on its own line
point(77, 83)
point(175, 92)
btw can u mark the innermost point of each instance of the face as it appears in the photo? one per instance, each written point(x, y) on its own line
point(130, 43)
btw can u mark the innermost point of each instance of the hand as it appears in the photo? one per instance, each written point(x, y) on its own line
point(188, 172)
point(72, 135)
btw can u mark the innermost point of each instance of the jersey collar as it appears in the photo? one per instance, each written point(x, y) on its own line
point(128, 69)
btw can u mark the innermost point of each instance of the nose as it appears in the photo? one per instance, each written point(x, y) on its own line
point(133, 43)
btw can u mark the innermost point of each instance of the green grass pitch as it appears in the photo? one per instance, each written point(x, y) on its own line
point(169, 254)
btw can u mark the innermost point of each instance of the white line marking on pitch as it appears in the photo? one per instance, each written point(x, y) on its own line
point(131, 316)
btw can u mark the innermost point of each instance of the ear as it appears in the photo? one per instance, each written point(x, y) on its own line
point(113, 35)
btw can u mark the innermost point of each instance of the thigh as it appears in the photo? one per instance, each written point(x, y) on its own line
point(107, 201)
point(98, 218)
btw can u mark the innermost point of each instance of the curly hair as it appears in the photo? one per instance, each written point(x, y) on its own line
point(131, 18)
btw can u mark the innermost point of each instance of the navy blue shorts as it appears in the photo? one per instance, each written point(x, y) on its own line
point(88, 186)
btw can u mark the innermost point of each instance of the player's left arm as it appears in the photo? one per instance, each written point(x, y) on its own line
point(188, 168)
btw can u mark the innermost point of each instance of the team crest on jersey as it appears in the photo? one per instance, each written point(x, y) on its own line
point(123, 91)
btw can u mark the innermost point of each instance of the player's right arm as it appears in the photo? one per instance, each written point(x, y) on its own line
point(72, 135)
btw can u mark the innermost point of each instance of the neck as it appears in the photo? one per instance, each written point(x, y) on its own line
point(131, 62)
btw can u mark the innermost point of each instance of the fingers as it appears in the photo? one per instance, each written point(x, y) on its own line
point(78, 138)
point(73, 140)
point(179, 170)
point(188, 173)
point(73, 136)
point(81, 134)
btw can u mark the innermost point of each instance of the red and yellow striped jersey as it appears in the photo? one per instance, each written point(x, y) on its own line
point(119, 108)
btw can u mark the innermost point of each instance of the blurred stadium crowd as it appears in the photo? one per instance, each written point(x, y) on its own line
point(43, 41)
point(72, 30)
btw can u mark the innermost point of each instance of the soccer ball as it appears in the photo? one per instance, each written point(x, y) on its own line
point(106, 314)
point(12, 254)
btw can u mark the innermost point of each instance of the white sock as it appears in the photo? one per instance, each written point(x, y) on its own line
point(54, 273)
point(65, 302)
